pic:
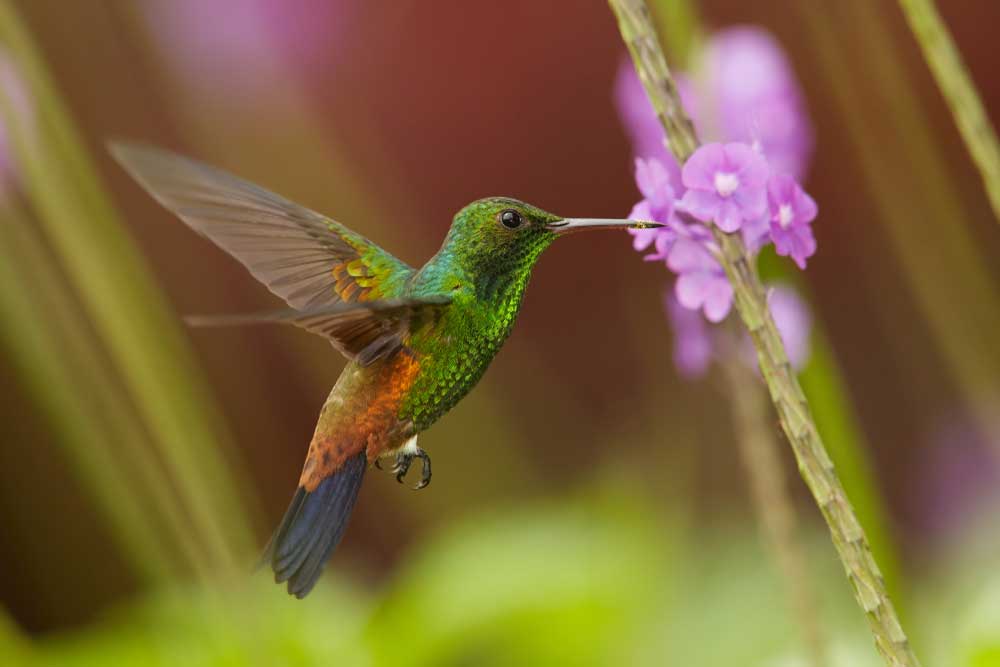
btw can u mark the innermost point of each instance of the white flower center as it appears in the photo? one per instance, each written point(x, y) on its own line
point(785, 215)
point(726, 183)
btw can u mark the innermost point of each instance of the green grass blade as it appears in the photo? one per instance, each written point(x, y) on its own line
point(824, 384)
point(126, 308)
point(52, 367)
point(920, 206)
point(38, 290)
point(959, 92)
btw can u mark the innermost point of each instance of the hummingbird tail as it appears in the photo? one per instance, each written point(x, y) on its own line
point(312, 527)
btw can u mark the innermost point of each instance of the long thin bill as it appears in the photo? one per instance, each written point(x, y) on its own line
point(568, 225)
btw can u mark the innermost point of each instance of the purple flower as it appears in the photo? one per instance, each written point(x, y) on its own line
point(756, 233)
point(640, 121)
point(792, 212)
point(701, 282)
point(235, 48)
point(657, 205)
point(791, 316)
point(743, 90)
point(692, 338)
point(726, 185)
point(745, 97)
point(746, 85)
point(958, 473)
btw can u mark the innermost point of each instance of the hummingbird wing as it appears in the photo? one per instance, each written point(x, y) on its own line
point(363, 332)
point(305, 258)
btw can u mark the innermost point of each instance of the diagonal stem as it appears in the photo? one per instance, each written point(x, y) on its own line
point(959, 92)
point(789, 400)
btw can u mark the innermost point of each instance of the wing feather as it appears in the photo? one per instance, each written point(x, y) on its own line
point(362, 332)
point(300, 255)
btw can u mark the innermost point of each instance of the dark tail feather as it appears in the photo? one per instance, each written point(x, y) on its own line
point(312, 527)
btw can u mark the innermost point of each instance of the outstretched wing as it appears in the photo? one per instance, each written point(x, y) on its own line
point(362, 332)
point(305, 258)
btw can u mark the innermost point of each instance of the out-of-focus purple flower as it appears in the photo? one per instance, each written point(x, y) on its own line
point(15, 102)
point(792, 212)
point(791, 316)
point(640, 121)
point(230, 47)
point(693, 344)
point(701, 282)
point(958, 474)
point(746, 90)
point(695, 341)
point(726, 185)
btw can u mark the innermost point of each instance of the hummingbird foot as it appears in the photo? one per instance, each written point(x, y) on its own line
point(404, 459)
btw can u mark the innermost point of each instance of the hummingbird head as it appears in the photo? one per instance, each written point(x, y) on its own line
point(500, 236)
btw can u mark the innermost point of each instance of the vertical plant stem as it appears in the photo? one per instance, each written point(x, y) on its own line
point(920, 206)
point(772, 502)
point(792, 407)
point(959, 92)
point(126, 308)
point(36, 298)
point(49, 365)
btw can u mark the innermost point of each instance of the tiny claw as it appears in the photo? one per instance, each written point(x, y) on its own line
point(425, 472)
point(378, 463)
point(402, 466)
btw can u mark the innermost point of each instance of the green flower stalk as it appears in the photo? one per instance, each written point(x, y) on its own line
point(787, 396)
point(959, 92)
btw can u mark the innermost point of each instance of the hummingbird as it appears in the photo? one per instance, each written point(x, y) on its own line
point(416, 340)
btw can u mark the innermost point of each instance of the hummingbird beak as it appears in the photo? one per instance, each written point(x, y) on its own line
point(568, 225)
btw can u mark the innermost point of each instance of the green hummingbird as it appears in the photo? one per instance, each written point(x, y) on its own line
point(417, 340)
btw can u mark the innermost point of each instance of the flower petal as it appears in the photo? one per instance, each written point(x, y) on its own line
point(729, 218)
point(748, 164)
point(752, 201)
point(699, 170)
point(644, 178)
point(641, 211)
point(805, 206)
point(691, 289)
point(718, 299)
point(689, 256)
point(780, 191)
point(693, 341)
point(701, 204)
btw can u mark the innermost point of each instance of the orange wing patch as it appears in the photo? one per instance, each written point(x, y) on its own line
point(356, 281)
point(368, 421)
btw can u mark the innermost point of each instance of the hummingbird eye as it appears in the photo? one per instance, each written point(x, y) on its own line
point(510, 219)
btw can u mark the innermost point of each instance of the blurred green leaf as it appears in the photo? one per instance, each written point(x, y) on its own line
point(546, 584)
point(255, 625)
point(15, 649)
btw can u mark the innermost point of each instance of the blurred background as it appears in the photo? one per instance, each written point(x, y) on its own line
point(589, 503)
